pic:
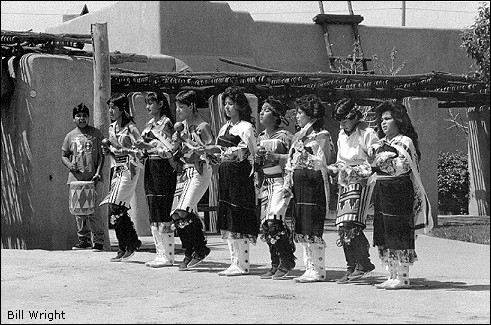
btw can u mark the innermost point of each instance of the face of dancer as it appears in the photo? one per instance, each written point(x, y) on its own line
point(81, 120)
point(389, 125)
point(154, 108)
point(266, 116)
point(114, 112)
point(348, 125)
point(184, 111)
point(231, 110)
point(302, 118)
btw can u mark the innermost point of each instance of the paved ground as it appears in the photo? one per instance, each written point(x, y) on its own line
point(450, 284)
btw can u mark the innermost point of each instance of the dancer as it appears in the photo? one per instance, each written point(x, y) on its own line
point(238, 220)
point(274, 143)
point(352, 169)
point(401, 206)
point(308, 181)
point(125, 169)
point(160, 177)
point(192, 134)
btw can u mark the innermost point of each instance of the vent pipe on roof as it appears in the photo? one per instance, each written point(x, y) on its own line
point(404, 13)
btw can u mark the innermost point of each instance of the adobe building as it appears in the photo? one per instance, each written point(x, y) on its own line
point(175, 36)
point(201, 32)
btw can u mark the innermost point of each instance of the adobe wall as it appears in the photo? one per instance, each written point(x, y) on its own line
point(132, 26)
point(199, 32)
point(35, 120)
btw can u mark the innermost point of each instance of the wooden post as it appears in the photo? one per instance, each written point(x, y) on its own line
point(102, 92)
point(479, 161)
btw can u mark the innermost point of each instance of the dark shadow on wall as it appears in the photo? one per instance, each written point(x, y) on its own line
point(17, 207)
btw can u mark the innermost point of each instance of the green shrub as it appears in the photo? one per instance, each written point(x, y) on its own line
point(453, 183)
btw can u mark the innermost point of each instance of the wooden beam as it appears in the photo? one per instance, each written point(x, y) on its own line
point(17, 37)
point(321, 75)
point(245, 65)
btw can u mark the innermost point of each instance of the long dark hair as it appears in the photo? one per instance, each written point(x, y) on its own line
point(239, 98)
point(188, 98)
point(312, 106)
point(279, 109)
point(121, 101)
point(158, 97)
point(346, 109)
point(403, 122)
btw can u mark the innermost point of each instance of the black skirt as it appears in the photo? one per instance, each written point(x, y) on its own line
point(237, 211)
point(160, 184)
point(309, 202)
point(393, 223)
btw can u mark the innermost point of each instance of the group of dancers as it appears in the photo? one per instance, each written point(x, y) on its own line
point(372, 167)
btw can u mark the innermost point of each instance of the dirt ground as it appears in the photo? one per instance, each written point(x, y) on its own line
point(449, 284)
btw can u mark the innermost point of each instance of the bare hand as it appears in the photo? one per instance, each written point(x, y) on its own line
point(164, 153)
point(176, 137)
point(96, 178)
point(106, 150)
point(270, 156)
point(200, 151)
point(332, 170)
point(73, 167)
point(286, 193)
point(141, 145)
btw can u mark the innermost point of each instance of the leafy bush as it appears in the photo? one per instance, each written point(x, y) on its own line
point(478, 234)
point(476, 40)
point(453, 183)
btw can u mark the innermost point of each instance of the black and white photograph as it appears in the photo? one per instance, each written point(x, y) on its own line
point(245, 162)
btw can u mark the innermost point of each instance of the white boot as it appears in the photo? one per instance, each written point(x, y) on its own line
point(231, 250)
point(168, 243)
point(392, 269)
point(309, 265)
point(164, 246)
point(159, 247)
point(319, 260)
point(402, 280)
point(241, 247)
point(306, 255)
point(316, 270)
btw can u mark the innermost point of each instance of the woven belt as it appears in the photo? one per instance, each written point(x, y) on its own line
point(277, 175)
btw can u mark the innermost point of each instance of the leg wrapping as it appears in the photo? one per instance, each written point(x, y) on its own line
point(191, 232)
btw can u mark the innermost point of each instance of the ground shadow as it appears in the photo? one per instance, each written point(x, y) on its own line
point(333, 276)
point(260, 269)
point(215, 267)
point(424, 284)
